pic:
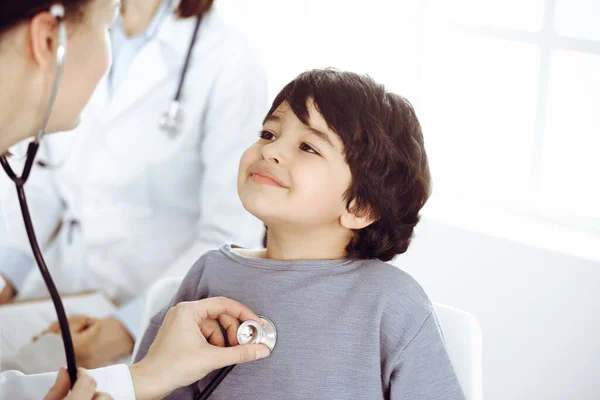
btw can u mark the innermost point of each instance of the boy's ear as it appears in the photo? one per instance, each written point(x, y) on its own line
point(354, 219)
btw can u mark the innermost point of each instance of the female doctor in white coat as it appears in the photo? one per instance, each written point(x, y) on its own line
point(133, 202)
point(28, 47)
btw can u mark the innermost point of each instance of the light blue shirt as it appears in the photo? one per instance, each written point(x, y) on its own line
point(125, 48)
point(16, 264)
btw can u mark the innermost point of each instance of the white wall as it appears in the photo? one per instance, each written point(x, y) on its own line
point(539, 310)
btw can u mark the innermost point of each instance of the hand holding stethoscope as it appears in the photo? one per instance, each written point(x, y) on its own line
point(181, 337)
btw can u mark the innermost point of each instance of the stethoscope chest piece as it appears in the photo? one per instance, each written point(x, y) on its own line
point(253, 332)
point(170, 121)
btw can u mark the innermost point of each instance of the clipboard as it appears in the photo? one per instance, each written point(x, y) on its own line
point(23, 319)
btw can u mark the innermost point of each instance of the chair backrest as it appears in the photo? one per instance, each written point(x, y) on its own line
point(158, 297)
point(461, 333)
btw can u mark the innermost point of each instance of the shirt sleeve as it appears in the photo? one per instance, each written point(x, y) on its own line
point(114, 380)
point(15, 264)
point(423, 369)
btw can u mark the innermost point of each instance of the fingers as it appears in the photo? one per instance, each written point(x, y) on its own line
point(222, 357)
point(212, 332)
point(83, 344)
point(61, 386)
point(90, 332)
point(102, 396)
point(215, 306)
point(77, 323)
point(83, 340)
point(53, 328)
point(84, 388)
point(227, 311)
point(231, 325)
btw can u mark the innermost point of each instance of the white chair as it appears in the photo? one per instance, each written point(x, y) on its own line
point(461, 333)
point(158, 297)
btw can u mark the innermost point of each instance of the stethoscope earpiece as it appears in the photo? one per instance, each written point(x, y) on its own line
point(57, 11)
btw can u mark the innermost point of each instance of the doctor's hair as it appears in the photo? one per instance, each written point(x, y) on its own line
point(193, 8)
point(13, 12)
point(384, 148)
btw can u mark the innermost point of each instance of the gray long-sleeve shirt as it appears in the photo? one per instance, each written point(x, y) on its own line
point(345, 330)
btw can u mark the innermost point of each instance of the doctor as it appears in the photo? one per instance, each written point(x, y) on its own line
point(124, 201)
point(28, 46)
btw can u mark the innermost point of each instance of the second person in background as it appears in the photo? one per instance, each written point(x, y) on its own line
point(127, 202)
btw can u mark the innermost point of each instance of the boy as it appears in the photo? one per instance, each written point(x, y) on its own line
point(338, 176)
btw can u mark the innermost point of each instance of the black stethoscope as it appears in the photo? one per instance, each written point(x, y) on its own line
point(248, 332)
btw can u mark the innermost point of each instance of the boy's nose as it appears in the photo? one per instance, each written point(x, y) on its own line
point(271, 152)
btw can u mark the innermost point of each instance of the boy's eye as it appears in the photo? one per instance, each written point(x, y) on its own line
point(307, 148)
point(267, 135)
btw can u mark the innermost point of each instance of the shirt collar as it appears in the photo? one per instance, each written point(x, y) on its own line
point(152, 29)
point(156, 22)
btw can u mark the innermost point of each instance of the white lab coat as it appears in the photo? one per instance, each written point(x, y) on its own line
point(146, 205)
point(114, 380)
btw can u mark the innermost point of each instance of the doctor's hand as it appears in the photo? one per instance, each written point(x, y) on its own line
point(96, 342)
point(84, 388)
point(181, 345)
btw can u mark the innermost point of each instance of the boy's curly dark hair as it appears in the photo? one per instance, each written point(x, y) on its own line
point(383, 146)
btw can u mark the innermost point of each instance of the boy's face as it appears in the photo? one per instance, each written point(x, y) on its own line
point(295, 174)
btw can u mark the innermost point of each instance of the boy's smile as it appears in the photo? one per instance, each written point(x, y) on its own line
point(306, 161)
point(262, 175)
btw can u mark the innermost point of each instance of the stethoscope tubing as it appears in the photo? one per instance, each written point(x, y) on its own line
point(58, 12)
point(63, 322)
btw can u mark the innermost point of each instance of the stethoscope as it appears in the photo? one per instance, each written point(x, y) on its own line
point(248, 332)
point(171, 120)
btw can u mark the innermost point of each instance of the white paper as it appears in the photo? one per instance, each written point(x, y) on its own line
point(44, 355)
point(20, 322)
